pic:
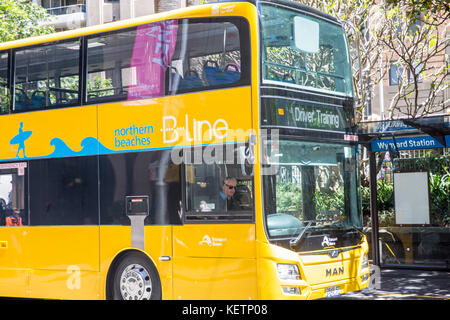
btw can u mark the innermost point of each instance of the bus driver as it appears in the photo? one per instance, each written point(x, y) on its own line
point(227, 201)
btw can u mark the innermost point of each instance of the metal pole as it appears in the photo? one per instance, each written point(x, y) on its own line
point(373, 207)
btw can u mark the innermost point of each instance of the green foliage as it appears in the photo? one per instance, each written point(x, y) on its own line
point(424, 6)
point(19, 19)
point(100, 87)
point(440, 199)
point(385, 203)
point(365, 198)
point(4, 100)
point(385, 195)
point(439, 184)
point(330, 205)
point(289, 198)
point(386, 218)
point(22, 19)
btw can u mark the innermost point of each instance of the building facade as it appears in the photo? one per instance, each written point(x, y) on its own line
point(71, 14)
point(382, 106)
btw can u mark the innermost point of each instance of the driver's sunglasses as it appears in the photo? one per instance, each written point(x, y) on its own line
point(230, 187)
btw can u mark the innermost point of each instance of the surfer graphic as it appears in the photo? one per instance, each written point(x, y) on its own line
point(20, 140)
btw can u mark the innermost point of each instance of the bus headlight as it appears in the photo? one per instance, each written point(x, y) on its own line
point(291, 291)
point(288, 271)
point(365, 262)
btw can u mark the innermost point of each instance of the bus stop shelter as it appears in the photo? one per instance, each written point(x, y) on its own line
point(409, 170)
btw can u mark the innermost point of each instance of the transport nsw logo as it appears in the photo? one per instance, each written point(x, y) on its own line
point(212, 241)
point(328, 241)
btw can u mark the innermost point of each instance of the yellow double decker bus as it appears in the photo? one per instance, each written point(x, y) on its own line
point(201, 153)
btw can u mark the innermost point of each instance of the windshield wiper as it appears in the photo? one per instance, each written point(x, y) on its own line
point(293, 242)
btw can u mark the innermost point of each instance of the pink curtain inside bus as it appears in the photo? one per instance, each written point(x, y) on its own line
point(153, 49)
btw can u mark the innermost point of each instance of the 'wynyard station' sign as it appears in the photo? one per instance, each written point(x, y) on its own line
point(425, 142)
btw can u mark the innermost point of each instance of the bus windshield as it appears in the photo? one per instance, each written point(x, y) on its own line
point(302, 51)
point(309, 185)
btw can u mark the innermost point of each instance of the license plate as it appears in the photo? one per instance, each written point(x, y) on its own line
point(333, 291)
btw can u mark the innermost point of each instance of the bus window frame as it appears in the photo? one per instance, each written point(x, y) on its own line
point(9, 78)
point(82, 99)
point(25, 214)
point(307, 11)
point(212, 217)
point(244, 46)
point(12, 70)
point(86, 38)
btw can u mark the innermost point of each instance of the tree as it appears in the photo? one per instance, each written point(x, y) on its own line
point(403, 31)
point(416, 45)
point(440, 9)
point(22, 19)
point(19, 19)
point(364, 43)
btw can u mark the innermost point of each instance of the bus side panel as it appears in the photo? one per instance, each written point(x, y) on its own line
point(190, 119)
point(158, 243)
point(64, 132)
point(214, 278)
point(217, 260)
point(64, 261)
point(14, 275)
point(70, 283)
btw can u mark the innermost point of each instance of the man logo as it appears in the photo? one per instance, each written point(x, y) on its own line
point(334, 271)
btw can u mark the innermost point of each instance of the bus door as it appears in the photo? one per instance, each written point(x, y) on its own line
point(214, 251)
point(14, 276)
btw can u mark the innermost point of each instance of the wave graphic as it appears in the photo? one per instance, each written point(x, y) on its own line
point(90, 146)
point(61, 149)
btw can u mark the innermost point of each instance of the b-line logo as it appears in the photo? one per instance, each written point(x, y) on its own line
point(212, 242)
point(202, 130)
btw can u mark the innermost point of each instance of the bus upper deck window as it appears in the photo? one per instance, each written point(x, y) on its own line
point(4, 90)
point(47, 75)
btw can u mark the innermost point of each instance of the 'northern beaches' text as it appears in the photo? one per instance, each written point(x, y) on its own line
point(133, 136)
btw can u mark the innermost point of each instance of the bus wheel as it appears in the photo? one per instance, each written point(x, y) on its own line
point(136, 278)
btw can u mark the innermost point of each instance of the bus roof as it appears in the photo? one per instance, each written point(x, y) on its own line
point(193, 11)
point(287, 3)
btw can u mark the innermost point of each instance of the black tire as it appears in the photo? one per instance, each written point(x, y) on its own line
point(135, 278)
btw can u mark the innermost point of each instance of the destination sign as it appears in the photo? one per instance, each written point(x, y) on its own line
point(304, 115)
